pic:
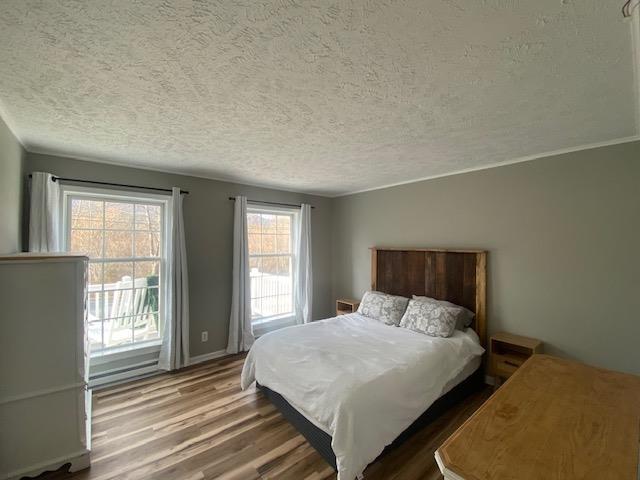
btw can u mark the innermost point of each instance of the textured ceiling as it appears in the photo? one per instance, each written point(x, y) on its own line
point(317, 96)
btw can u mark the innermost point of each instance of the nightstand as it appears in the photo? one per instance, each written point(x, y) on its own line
point(346, 305)
point(507, 352)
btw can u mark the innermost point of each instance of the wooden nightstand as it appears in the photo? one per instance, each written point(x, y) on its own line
point(346, 305)
point(507, 352)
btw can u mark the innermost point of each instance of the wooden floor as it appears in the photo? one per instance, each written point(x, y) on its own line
point(197, 424)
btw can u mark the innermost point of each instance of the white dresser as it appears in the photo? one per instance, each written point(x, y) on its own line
point(44, 400)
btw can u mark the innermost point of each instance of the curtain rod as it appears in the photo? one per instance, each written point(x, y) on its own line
point(77, 180)
point(272, 203)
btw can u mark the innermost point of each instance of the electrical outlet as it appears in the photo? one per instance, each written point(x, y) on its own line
point(205, 336)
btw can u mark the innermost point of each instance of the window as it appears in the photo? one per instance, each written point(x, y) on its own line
point(125, 239)
point(271, 263)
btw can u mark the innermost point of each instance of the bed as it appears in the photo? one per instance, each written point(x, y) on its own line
point(354, 386)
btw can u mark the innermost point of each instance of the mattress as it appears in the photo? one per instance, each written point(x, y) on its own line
point(344, 372)
point(472, 365)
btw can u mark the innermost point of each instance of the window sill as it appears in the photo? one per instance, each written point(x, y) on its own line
point(261, 327)
point(128, 351)
point(276, 318)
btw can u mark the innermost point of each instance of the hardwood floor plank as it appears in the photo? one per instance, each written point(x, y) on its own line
point(235, 453)
point(155, 460)
point(193, 404)
point(197, 424)
point(275, 467)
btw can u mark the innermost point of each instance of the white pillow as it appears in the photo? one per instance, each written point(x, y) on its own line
point(430, 318)
point(464, 316)
point(383, 307)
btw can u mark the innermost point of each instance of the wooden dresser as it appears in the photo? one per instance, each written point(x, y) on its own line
point(553, 419)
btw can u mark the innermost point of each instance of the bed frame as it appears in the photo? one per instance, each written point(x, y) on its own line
point(458, 276)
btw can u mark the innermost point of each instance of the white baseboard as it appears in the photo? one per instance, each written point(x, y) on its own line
point(207, 356)
point(78, 460)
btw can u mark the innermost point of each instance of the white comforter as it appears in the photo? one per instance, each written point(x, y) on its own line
point(359, 380)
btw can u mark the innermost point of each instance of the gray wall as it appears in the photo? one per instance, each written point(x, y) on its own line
point(11, 184)
point(563, 235)
point(209, 234)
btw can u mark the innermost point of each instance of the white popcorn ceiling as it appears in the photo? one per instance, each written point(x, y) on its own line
point(317, 96)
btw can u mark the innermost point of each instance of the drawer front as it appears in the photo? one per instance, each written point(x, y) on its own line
point(505, 366)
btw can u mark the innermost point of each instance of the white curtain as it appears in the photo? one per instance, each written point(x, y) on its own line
point(240, 329)
point(44, 213)
point(174, 352)
point(304, 273)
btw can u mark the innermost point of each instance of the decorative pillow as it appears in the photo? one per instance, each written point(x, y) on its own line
point(383, 307)
point(464, 316)
point(429, 318)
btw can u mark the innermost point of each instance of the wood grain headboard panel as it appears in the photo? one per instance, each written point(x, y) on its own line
point(458, 276)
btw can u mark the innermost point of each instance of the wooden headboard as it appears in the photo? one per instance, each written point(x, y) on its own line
point(458, 276)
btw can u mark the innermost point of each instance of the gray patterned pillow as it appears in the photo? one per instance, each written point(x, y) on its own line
point(429, 318)
point(464, 316)
point(383, 307)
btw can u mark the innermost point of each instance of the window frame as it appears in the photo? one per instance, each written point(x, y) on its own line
point(67, 193)
point(266, 324)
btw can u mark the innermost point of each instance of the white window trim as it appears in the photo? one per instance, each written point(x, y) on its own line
point(274, 323)
point(126, 351)
point(266, 324)
point(98, 193)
